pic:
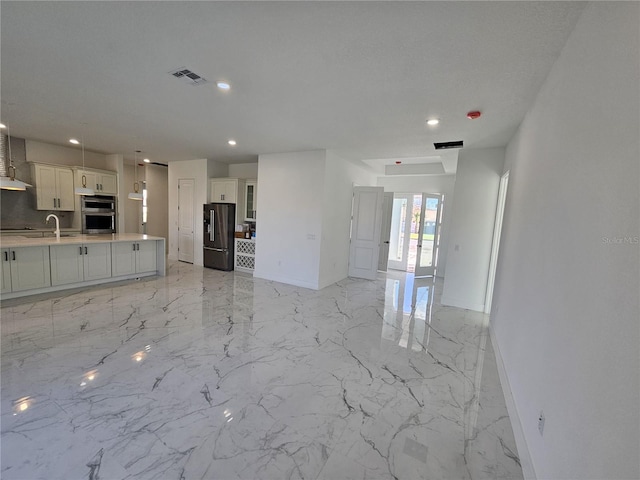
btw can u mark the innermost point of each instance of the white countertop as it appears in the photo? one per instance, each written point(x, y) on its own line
point(17, 241)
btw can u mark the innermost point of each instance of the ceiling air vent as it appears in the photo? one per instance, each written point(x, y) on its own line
point(188, 76)
point(445, 145)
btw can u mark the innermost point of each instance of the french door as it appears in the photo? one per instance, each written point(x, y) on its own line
point(428, 235)
point(414, 238)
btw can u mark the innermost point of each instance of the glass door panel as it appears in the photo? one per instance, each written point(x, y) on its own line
point(398, 246)
point(427, 251)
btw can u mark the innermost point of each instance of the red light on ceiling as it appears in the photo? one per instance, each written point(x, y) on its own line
point(398, 162)
point(473, 115)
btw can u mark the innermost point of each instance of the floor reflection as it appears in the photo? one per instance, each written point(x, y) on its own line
point(407, 310)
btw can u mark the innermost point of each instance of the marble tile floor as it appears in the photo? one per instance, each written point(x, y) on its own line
point(215, 375)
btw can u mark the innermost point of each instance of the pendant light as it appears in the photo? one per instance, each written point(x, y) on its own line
point(84, 191)
point(135, 195)
point(10, 182)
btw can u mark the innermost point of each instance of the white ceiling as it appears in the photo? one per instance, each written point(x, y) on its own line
point(358, 77)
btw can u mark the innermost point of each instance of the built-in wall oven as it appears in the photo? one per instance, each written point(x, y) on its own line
point(98, 214)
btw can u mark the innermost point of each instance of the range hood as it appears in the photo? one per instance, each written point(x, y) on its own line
point(8, 180)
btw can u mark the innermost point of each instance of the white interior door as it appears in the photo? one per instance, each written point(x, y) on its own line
point(186, 219)
point(366, 224)
point(428, 235)
point(385, 231)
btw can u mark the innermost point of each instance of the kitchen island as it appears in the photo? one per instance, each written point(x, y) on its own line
point(46, 264)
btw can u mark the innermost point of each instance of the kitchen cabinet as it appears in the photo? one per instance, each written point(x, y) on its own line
point(251, 200)
point(245, 255)
point(133, 257)
point(78, 263)
point(54, 187)
point(228, 190)
point(29, 266)
point(25, 268)
point(104, 183)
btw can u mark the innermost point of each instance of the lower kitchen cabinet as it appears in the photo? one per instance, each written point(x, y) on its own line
point(25, 268)
point(78, 263)
point(245, 255)
point(133, 257)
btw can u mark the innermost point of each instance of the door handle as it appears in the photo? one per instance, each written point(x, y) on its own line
point(80, 248)
point(6, 256)
point(85, 251)
point(212, 219)
point(138, 246)
point(134, 247)
point(419, 245)
point(386, 241)
point(13, 254)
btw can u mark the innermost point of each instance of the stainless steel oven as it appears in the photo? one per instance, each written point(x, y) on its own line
point(98, 214)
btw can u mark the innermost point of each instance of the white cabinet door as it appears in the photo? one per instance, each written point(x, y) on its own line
point(91, 179)
point(146, 256)
point(46, 195)
point(108, 184)
point(250, 200)
point(123, 258)
point(66, 264)
point(219, 191)
point(224, 190)
point(5, 274)
point(54, 188)
point(29, 268)
point(64, 185)
point(97, 261)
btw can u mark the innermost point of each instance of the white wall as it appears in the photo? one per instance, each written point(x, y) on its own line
point(244, 170)
point(131, 210)
point(339, 177)
point(41, 152)
point(471, 229)
point(290, 220)
point(157, 179)
point(443, 184)
point(199, 171)
point(565, 314)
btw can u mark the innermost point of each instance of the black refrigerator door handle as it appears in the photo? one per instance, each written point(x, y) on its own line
point(212, 225)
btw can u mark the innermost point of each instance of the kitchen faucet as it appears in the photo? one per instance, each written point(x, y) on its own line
point(57, 232)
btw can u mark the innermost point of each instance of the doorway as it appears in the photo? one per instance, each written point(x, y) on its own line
point(415, 233)
point(495, 244)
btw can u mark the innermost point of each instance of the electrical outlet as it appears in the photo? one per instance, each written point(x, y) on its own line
point(541, 422)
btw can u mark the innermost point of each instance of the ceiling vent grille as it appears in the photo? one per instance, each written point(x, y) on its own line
point(188, 76)
point(445, 145)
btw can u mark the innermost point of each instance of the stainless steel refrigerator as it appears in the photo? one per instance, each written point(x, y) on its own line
point(219, 227)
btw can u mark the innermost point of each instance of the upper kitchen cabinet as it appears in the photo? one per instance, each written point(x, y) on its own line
point(54, 187)
point(226, 190)
point(229, 190)
point(251, 200)
point(103, 182)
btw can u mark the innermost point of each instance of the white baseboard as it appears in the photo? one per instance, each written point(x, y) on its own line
point(287, 280)
point(454, 302)
point(518, 432)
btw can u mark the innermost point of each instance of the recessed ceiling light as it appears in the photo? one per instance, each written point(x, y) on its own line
point(232, 143)
point(223, 85)
point(74, 141)
point(146, 160)
point(433, 121)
